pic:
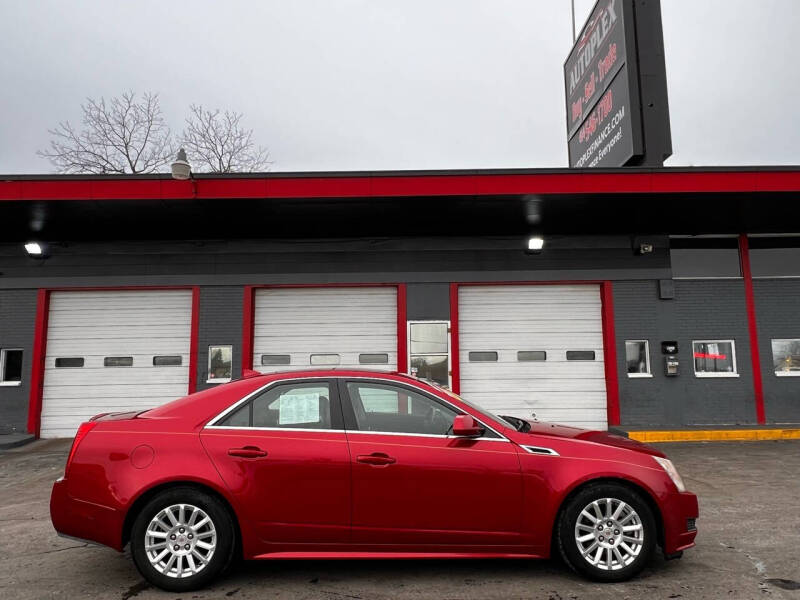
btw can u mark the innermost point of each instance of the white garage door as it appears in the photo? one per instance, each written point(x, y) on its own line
point(534, 349)
point(113, 351)
point(325, 327)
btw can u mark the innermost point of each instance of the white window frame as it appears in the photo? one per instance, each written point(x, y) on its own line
point(734, 373)
point(208, 367)
point(449, 346)
point(649, 372)
point(3, 351)
point(781, 373)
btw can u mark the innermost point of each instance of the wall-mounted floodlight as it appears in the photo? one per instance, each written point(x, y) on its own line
point(34, 249)
point(535, 243)
point(181, 169)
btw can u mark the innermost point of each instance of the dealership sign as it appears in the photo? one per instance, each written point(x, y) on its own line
point(603, 113)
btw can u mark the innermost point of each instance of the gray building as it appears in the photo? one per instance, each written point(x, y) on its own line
point(635, 298)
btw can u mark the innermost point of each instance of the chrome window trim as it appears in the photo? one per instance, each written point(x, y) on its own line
point(212, 422)
point(540, 450)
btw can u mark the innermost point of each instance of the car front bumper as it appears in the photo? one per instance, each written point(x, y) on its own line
point(84, 520)
point(680, 512)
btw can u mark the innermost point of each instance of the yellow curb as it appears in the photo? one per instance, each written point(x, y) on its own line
point(715, 435)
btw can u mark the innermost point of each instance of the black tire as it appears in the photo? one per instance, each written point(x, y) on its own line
point(223, 551)
point(571, 551)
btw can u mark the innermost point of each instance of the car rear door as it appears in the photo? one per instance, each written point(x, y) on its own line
point(414, 486)
point(283, 454)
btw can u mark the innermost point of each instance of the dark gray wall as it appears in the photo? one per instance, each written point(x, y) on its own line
point(778, 314)
point(701, 309)
point(17, 323)
point(220, 323)
point(428, 301)
point(412, 260)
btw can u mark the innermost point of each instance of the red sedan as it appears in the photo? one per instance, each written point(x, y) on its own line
point(353, 464)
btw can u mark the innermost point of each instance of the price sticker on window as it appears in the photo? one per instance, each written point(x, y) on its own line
point(298, 408)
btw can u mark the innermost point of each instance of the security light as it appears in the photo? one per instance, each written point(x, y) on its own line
point(535, 244)
point(181, 169)
point(34, 249)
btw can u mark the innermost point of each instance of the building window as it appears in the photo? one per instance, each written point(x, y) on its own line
point(69, 362)
point(373, 359)
point(531, 355)
point(325, 359)
point(10, 366)
point(269, 360)
point(786, 357)
point(637, 358)
point(429, 351)
point(118, 361)
point(168, 361)
point(580, 354)
point(482, 356)
point(714, 358)
point(220, 364)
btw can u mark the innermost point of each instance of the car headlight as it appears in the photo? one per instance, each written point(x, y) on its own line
point(667, 465)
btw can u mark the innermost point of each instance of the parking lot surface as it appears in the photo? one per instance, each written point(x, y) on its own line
point(748, 545)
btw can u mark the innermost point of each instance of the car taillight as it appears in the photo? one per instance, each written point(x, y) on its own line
point(81, 433)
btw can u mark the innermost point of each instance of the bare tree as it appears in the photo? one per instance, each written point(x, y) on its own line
point(125, 135)
point(216, 142)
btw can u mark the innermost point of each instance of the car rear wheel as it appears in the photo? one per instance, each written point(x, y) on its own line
point(182, 539)
point(607, 532)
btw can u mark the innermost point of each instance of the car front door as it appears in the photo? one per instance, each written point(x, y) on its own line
point(415, 486)
point(283, 454)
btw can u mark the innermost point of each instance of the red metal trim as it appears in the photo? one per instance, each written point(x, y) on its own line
point(610, 353)
point(193, 340)
point(248, 323)
point(755, 358)
point(381, 185)
point(402, 329)
point(455, 363)
point(37, 365)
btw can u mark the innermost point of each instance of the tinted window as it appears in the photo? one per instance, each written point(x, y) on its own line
point(394, 409)
point(373, 359)
point(580, 354)
point(483, 357)
point(291, 406)
point(167, 361)
point(275, 359)
point(11, 361)
point(530, 355)
point(69, 362)
point(118, 361)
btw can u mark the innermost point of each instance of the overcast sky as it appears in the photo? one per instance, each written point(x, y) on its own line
point(393, 84)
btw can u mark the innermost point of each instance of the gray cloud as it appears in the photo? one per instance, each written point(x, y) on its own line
point(381, 84)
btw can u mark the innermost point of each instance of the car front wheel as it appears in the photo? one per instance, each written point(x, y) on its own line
point(182, 539)
point(607, 532)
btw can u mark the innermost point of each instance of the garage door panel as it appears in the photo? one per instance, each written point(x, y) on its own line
point(550, 318)
point(523, 371)
point(305, 321)
point(98, 324)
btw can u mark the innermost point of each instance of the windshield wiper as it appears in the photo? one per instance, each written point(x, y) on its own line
point(519, 424)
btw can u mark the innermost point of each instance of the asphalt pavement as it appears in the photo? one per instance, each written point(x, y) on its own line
point(748, 545)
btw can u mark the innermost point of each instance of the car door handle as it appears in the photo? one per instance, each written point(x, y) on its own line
point(247, 452)
point(376, 458)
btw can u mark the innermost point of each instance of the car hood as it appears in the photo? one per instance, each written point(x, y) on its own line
point(587, 435)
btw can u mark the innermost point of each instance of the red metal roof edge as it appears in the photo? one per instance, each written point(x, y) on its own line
point(398, 184)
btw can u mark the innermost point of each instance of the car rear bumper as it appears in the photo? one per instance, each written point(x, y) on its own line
point(680, 513)
point(84, 520)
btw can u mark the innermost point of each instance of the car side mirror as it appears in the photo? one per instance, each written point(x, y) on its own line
point(466, 426)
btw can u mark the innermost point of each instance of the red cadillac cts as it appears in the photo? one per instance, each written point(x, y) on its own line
point(356, 464)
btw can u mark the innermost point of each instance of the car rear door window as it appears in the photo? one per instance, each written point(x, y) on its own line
point(304, 405)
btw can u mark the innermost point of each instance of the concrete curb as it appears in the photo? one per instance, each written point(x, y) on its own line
point(715, 435)
point(15, 440)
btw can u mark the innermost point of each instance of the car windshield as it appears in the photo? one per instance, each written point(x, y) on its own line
point(473, 406)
